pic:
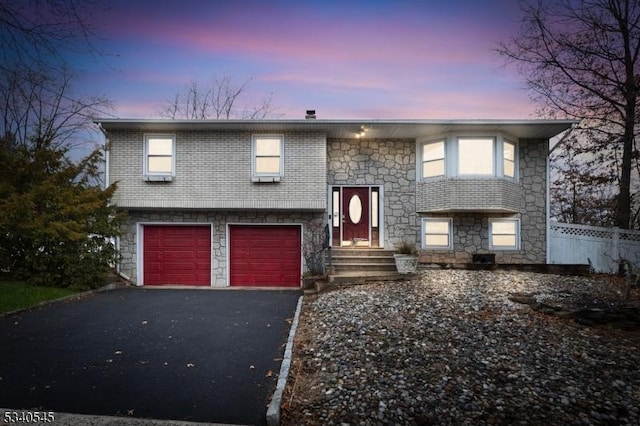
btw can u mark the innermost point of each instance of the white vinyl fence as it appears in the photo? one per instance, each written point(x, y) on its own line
point(602, 247)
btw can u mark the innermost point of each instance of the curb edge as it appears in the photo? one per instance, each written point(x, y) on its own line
point(273, 412)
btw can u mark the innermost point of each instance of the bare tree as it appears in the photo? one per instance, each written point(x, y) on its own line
point(36, 39)
point(220, 100)
point(579, 59)
point(581, 190)
point(39, 108)
point(37, 32)
point(262, 109)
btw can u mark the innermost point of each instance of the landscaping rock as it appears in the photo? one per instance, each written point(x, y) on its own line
point(457, 347)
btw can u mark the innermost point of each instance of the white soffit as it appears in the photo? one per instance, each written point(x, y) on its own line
point(368, 129)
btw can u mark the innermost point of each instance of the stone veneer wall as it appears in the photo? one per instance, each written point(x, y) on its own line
point(471, 230)
point(533, 178)
point(312, 229)
point(386, 163)
point(471, 236)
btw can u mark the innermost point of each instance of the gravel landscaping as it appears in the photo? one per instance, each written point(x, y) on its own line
point(455, 347)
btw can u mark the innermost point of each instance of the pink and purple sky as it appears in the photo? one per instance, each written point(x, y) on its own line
point(416, 59)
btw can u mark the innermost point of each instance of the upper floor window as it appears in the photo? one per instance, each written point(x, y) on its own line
point(509, 159)
point(159, 155)
point(467, 157)
point(504, 234)
point(475, 156)
point(433, 159)
point(268, 155)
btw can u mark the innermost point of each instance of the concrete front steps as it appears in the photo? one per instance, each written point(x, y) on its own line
point(358, 265)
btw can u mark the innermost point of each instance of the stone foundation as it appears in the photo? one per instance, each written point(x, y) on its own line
point(471, 236)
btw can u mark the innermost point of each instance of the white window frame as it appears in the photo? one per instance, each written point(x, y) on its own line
point(266, 177)
point(515, 159)
point(421, 160)
point(374, 207)
point(517, 233)
point(336, 195)
point(452, 156)
point(159, 176)
point(426, 220)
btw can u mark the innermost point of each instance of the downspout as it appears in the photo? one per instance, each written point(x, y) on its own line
point(106, 155)
point(106, 164)
point(548, 188)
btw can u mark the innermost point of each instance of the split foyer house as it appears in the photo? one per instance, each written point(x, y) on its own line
point(241, 202)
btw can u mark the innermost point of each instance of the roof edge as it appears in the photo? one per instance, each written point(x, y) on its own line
point(339, 121)
point(351, 128)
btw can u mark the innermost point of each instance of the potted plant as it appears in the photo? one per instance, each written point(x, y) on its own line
point(406, 258)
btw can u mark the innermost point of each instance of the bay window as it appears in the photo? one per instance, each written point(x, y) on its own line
point(475, 156)
point(468, 157)
point(508, 159)
point(433, 159)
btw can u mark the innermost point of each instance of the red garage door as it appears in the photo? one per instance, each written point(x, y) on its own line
point(177, 255)
point(264, 255)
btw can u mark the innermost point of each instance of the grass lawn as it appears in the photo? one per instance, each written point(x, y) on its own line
point(18, 295)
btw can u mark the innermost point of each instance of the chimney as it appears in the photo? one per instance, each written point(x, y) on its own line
point(311, 114)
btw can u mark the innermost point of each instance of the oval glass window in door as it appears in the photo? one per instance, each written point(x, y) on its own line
point(355, 209)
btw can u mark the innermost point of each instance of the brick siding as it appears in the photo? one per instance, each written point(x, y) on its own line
point(213, 171)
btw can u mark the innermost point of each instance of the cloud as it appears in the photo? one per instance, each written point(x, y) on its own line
point(380, 59)
point(280, 31)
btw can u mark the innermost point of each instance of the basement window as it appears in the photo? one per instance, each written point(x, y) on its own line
point(504, 234)
point(436, 233)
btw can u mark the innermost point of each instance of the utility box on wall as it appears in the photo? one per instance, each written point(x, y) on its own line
point(484, 258)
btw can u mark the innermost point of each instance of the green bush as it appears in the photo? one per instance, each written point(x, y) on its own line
point(57, 225)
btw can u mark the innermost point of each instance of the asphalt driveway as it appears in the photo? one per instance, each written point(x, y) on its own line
point(194, 355)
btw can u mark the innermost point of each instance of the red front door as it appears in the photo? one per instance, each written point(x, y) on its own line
point(355, 214)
